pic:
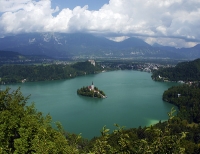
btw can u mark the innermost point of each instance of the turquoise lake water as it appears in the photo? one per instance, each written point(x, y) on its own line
point(133, 100)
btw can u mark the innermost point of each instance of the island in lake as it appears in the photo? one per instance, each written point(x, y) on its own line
point(91, 91)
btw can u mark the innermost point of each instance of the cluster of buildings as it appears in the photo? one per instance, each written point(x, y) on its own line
point(148, 67)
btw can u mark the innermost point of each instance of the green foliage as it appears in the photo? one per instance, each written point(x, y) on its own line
point(17, 73)
point(24, 130)
point(85, 91)
point(185, 71)
point(86, 67)
point(160, 138)
point(154, 140)
point(187, 98)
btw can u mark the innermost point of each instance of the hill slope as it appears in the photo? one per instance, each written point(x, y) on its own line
point(11, 57)
point(186, 71)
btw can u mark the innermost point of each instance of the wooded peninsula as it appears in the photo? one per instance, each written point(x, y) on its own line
point(184, 71)
point(33, 73)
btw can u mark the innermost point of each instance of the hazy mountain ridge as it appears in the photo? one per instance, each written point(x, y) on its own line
point(188, 53)
point(10, 57)
point(60, 45)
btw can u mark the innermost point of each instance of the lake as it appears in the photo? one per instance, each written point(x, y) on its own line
point(133, 100)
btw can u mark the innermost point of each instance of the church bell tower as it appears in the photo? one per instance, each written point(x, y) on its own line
point(92, 86)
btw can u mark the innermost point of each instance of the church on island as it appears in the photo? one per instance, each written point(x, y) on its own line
point(91, 87)
point(91, 91)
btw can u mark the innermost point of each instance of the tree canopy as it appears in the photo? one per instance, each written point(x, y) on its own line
point(185, 71)
point(17, 73)
point(85, 91)
point(187, 98)
point(24, 130)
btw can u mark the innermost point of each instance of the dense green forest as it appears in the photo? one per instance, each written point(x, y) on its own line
point(187, 98)
point(185, 71)
point(17, 73)
point(85, 91)
point(25, 130)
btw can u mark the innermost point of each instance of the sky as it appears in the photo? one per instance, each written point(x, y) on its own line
point(92, 4)
point(166, 22)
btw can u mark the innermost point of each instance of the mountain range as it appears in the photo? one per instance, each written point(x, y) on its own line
point(80, 45)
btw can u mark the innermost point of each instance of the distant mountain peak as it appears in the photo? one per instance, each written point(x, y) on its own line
point(118, 39)
point(197, 46)
point(157, 45)
point(76, 45)
point(135, 42)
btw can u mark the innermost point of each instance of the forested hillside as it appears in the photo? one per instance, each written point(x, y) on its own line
point(30, 73)
point(187, 98)
point(185, 71)
point(10, 57)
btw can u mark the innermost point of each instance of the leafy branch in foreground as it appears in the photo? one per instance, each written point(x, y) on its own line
point(162, 141)
point(24, 130)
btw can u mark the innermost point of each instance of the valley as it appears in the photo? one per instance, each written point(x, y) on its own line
point(99, 77)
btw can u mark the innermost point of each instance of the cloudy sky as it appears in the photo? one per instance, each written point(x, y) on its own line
point(167, 22)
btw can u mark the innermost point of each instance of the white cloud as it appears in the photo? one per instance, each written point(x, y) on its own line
point(118, 39)
point(175, 42)
point(166, 20)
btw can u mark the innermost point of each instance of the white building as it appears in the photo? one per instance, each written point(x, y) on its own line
point(92, 62)
point(91, 87)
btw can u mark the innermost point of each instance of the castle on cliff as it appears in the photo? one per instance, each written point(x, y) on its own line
point(92, 62)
